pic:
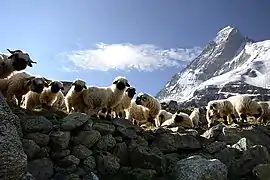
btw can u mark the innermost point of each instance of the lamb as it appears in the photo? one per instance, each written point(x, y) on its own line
point(124, 103)
point(244, 106)
point(195, 117)
point(73, 98)
point(178, 119)
point(162, 117)
point(220, 108)
point(137, 113)
point(59, 103)
point(266, 110)
point(46, 98)
point(17, 61)
point(21, 83)
point(104, 98)
point(151, 103)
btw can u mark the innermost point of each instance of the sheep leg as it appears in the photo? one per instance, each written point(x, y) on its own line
point(234, 118)
point(120, 114)
point(109, 114)
point(226, 121)
point(102, 113)
point(243, 117)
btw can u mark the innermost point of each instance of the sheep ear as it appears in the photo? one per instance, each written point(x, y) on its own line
point(46, 84)
point(72, 84)
point(127, 89)
point(85, 86)
point(62, 88)
point(51, 83)
point(127, 84)
point(114, 82)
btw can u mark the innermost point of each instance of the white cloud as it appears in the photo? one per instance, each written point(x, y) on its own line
point(144, 57)
point(68, 69)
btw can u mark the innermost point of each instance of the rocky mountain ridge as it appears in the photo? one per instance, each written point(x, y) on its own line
point(230, 59)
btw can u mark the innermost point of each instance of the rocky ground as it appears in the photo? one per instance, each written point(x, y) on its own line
point(55, 146)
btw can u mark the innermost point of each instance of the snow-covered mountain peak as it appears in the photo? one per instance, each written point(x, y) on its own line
point(230, 57)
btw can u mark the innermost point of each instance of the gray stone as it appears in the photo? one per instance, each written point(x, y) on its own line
point(215, 147)
point(81, 151)
point(89, 138)
point(30, 148)
point(60, 154)
point(36, 124)
point(103, 128)
point(59, 140)
point(107, 163)
point(68, 161)
point(74, 120)
point(41, 169)
point(261, 171)
point(89, 164)
point(39, 138)
point(106, 143)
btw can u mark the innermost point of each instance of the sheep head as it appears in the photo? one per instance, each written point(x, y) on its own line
point(56, 86)
point(79, 85)
point(143, 99)
point(121, 83)
point(131, 91)
point(36, 84)
point(20, 60)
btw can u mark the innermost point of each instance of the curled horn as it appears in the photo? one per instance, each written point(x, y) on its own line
point(12, 52)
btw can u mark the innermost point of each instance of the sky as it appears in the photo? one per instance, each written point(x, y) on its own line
point(147, 41)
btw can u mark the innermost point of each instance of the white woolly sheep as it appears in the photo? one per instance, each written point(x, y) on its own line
point(266, 110)
point(178, 119)
point(195, 117)
point(74, 98)
point(46, 98)
point(125, 103)
point(221, 108)
point(104, 98)
point(151, 103)
point(21, 83)
point(17, 61)
point(137, 113)
point(245, 106)
point(59, 103)
point(162, 117)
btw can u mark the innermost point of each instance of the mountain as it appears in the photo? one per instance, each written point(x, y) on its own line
point(229, 64)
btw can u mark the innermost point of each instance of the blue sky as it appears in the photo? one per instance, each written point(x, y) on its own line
point(148, 41)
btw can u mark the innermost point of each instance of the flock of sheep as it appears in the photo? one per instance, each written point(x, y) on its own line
point(116, 100)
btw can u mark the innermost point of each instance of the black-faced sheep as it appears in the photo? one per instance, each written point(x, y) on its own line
point(221, 108)
point(245, 106)
point(17, 61)
point(178, 119)
point(21, 83)
point(266, 110)
point(163, 115)
point(150, 102)
point(120, 109)
point(137, 113)
point(74, 97)
point(104, 99)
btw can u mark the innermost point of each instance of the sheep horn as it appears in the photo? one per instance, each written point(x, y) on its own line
point(30, 60)
point(11, 52)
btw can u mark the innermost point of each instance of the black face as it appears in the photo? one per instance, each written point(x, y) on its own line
point(19, 63)
point(131, 92)
point(138, 100)
point(55, 88)
point(38, 88)
point(178, 119)
point(120, 86)
point(78, 88)
point(259, 114)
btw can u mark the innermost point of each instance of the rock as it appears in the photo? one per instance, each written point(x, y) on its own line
point(198, 168)
point(74, 120)
point(89, 138)
point(12, 157)
point(59, 140)
point(60, 154)
point(88, 125)
point(106, 143)
point(68, 161)
point(147, 158)
point(90, 176)
point(66, 170)
point(137, 173)
point(172, 142)
point(211, 134)
point(81, 151)
point(215, 147)
point(36, 124)
point(89, 164)
point(118, 139)
point(129, 133)
point(39, 138)
point(80, 171)
point(30, 148)
point(243, 144)
point(73, 177)
point(121, 151)
point(261, 171)
point(228, 156)
point(107, 163)
point(104, 129)
point(41, 169)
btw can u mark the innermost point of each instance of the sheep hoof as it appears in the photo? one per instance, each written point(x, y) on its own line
point(109, 117)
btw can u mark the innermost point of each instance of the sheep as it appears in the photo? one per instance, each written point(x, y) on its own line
point(179, 119)
point(59, 103)
point(104, 98)
point(266, 110)
point(137, 113)
point(46, 98)
point(21, 83)
point(124, 103)
point(17, 61)
point(73, 98)
point(162, 117)
point(195, 117)
point(151, 103)
point(244, 106)
point(220, 108)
